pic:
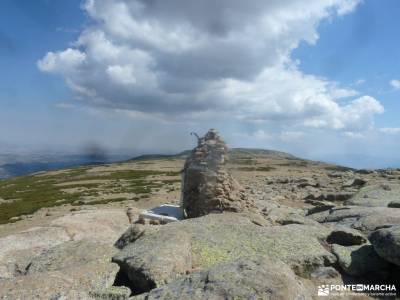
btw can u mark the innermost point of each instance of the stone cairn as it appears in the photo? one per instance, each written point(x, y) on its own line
point(207, 187)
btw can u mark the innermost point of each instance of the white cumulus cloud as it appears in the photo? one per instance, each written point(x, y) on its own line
point(206, 59)
point(64, 61)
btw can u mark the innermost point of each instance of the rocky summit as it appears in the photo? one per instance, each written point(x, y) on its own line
point(259, 224)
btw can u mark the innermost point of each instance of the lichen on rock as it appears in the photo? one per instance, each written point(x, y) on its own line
point(179, 248)
point(255, 278)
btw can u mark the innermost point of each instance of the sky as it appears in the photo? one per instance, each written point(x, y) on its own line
point(320, 81)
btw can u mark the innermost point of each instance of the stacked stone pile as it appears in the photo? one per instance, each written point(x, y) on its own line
point(207, 186)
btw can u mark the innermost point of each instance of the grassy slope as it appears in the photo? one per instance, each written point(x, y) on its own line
point(27, 194)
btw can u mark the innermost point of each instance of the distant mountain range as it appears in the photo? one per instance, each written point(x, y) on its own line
point(17, 165)
point(11, 165)
point(250, 151)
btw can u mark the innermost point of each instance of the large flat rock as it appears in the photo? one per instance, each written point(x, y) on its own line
point(162, 256)
point(74, 282)
point(17, 249)
point(104, 225)
point(257, 278)
point(365, 219)
point(386, 242)
point(65, 259)
point(360, 260)
point(377, 195)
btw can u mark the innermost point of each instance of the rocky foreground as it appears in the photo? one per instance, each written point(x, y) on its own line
point(309, 224)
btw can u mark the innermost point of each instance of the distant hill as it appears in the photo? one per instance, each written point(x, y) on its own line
point(266, 152)
point(26, 165)
point(11, 167)
point(232, 151)
point(160, 156)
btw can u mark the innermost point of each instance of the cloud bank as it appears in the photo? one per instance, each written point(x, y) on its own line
point(199, 60)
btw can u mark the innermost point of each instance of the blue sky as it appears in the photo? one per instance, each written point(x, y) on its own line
point(361, 46)
point(136, 77)
point(27, 97)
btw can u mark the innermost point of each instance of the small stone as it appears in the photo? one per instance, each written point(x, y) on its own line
point(339, 196)
point(320, 206)
point(355, 182)
point(129, 213)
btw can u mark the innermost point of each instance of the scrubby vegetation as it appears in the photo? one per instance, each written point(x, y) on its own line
point(26, 194)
